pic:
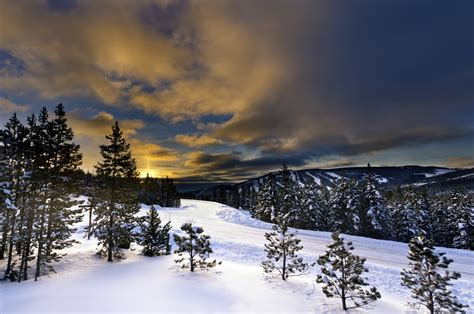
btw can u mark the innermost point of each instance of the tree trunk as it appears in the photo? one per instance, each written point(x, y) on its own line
point(110, 241)
point(10, 247)
point(5, 233)
point(40, 245)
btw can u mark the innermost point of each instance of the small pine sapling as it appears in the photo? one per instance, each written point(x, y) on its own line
point(281, 252)
point(154, 237)
point(341, 274)
point(428, 287)
point(194, 248)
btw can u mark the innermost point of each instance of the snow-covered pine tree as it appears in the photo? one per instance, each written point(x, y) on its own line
point(194, 248)
point(15, 181)
point(281, 249)
point(288, 198)
point(60, 189)
point(154, 237)
point(344, 216)
point(405, 216)
point(266, 200)
point(461, 219)
point(31, 196)
point(342, 274)
point(117, 201)
point(324, 206)
point(428, 287)
point(374, 216)
point(310, 211)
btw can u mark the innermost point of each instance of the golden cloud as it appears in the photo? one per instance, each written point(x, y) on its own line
point(6, 106)
point(196, 140)
point(91, 132)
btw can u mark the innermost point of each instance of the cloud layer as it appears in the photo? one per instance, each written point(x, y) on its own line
point(300, 81)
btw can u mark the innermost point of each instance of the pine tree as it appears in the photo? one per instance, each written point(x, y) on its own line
point(461, 219)
point(323, 199)
point(341, 274)
point(194, 248)
point(288, 198)
point(59, 188)
point(405, 216)
point(344, 216)
point(117, 201)
point(374, 217)
point(310, 207)
point(31, 196)
point(428, 287)
point(281, 250)
point(266, 201)
point(154, 237)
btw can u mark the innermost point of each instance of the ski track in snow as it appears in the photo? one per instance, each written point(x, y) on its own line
point(86, 283)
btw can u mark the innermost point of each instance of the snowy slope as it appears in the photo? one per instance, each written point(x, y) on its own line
point(84, 283)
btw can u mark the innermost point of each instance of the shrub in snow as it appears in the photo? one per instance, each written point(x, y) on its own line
point(154, 237)
point(341, 274)
point(428, 287)
point(281, 252)
point(194, 248)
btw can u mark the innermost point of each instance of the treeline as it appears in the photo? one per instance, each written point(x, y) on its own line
point(360, 208)
point(39, 184)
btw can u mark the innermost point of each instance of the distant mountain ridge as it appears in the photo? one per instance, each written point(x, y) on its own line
point(434, 178)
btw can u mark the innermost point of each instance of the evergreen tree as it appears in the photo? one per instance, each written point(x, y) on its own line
point(344, 216)
point(374, 217)
point(310, 207)
point(154, 237)
point(323, 214)
point(169, 193)
point(266, 201)
point(150, 191)
point(405, 216)
point(428, 287)
point(341, 274)
point(288, 197)
point(59, 188)
point(117, 201)
point(194, 248)
point(461, 219)
point(281, 250)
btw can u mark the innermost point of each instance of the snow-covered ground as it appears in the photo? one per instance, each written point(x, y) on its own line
point(85, 283)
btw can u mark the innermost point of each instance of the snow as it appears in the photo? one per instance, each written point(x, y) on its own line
point(85, 283)
point(437, 172)
point(316, 179)
point(334, 175)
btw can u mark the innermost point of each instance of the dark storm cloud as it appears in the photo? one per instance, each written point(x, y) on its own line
point(369, 76)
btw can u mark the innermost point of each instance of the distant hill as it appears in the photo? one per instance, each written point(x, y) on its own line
point(437, 179)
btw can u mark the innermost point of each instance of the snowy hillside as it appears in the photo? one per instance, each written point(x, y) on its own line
point(85, 283)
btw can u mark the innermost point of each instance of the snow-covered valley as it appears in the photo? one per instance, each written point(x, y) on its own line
point(85, 283)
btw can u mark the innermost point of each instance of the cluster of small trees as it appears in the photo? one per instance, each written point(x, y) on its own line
point(359, 208)
point(342, 271)
point(159, 191)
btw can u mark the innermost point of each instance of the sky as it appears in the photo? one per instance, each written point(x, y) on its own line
point(226, 90)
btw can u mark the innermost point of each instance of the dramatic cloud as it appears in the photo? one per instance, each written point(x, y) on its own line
point(248, 84)
point(196, 140)
point(6, 106)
